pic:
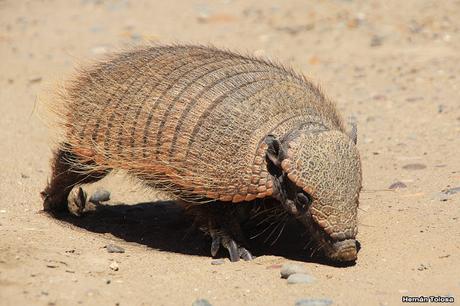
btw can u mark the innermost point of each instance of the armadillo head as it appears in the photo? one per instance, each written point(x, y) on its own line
point(317, 176)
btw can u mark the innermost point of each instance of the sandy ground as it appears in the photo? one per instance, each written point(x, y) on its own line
point(393, 64)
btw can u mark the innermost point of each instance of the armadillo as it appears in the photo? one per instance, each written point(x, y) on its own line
point(215, 129)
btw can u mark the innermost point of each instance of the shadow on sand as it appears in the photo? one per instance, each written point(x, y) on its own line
point(163, 226)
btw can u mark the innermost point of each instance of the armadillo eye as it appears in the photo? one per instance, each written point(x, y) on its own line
point(303, 198)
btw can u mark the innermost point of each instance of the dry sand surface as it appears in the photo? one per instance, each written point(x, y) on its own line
point(393, 64)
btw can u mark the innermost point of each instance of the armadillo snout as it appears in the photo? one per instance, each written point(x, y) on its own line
point(345, 250)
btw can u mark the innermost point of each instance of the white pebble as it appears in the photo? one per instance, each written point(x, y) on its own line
point(288, 269)
point(114, 266)
point(299, 278)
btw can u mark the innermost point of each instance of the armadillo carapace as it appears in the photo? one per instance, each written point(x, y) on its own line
point(215, 127)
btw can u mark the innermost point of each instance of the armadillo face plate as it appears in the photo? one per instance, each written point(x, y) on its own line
point(325, 169)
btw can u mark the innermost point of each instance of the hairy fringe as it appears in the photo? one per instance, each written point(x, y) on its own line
point(61, 107)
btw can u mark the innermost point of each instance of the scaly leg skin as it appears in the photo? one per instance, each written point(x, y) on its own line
point(220, 221)
point(63, 192)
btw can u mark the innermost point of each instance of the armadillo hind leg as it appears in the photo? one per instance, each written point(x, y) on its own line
point(220, 221)
point(63, 188)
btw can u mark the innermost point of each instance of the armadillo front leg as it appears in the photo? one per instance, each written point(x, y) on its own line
point(234, 249)
point(221, 222)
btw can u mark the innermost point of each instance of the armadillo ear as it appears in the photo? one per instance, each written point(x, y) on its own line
point(353, 129)
point(275, 151)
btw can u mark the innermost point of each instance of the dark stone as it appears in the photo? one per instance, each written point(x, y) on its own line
point(415, 166)
point(397, 185)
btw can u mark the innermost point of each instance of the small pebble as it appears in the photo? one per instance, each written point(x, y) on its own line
point(451, 190)
point(100, 195)
point(289, 269)
point(24, 176)
point(136, 37)
point(443, 197)
point(201, 302)
point(413, 99)
point(422, 267)
point(313, 302)
point(99, 50)
point(299, 278)
point(376, 41)
point(445, 194)
point(217, 262)
point(36, 79)
point(96, 29)
point(397, 185)
point(294, 30)
point(114, 266)
point(274, 267)
point(415, 166)
point(52, 266)
point(111, 248)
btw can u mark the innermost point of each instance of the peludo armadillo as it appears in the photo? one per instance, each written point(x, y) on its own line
point(214, 129)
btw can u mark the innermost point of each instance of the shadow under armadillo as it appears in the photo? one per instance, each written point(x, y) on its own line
point(163, 225)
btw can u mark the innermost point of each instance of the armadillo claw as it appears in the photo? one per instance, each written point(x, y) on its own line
point(245, 254)
point(234, 250)
point(215, 245)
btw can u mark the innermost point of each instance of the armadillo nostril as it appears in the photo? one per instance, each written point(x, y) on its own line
point(345, 250)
